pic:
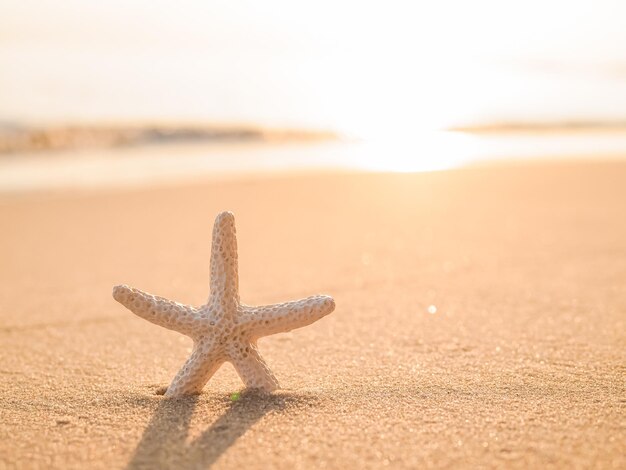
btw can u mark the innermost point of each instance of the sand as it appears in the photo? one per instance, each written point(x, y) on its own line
point(522, 365)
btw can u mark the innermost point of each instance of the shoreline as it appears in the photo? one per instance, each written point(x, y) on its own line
point(182, 163)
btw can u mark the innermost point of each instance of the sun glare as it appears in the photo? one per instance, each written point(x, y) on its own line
point(424, 151)
point(363, 69)
point(391, 77)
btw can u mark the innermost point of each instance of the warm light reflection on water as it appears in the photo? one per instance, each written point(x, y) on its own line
point(440, 150)
point(427, 151)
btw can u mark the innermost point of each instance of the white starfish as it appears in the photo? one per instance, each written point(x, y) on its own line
point(224, 329)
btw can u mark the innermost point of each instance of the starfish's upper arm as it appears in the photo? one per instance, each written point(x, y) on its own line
point(224, 275)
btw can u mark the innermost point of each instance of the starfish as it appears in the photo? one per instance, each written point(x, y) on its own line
point(224, 329)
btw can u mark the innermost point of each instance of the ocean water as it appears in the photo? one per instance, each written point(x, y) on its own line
point(166, 164)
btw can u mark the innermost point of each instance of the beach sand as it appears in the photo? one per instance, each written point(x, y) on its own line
point(480, 322)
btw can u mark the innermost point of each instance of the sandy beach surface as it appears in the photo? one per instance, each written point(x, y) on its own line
point(480, 322)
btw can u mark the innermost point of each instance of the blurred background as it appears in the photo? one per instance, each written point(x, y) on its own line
point(128, 92)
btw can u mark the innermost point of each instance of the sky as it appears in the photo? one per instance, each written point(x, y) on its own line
point(356, 67)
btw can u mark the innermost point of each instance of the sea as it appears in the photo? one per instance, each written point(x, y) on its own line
point(176, 163)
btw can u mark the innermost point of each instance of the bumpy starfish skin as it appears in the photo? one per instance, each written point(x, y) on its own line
point(224, 329)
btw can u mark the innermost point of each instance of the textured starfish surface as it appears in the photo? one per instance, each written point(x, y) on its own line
point(224, 329)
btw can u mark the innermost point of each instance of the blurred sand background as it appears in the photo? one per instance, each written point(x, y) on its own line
point(479, 322)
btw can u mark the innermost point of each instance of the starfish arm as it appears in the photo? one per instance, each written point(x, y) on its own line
point(196, 372)
point(224, 276)
point(279, 318)
point(158, 310)
point(251, 367)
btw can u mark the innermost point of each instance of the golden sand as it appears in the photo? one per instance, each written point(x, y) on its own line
point(480, 322)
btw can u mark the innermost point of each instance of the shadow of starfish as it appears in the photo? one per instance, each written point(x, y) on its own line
point(164, 443)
